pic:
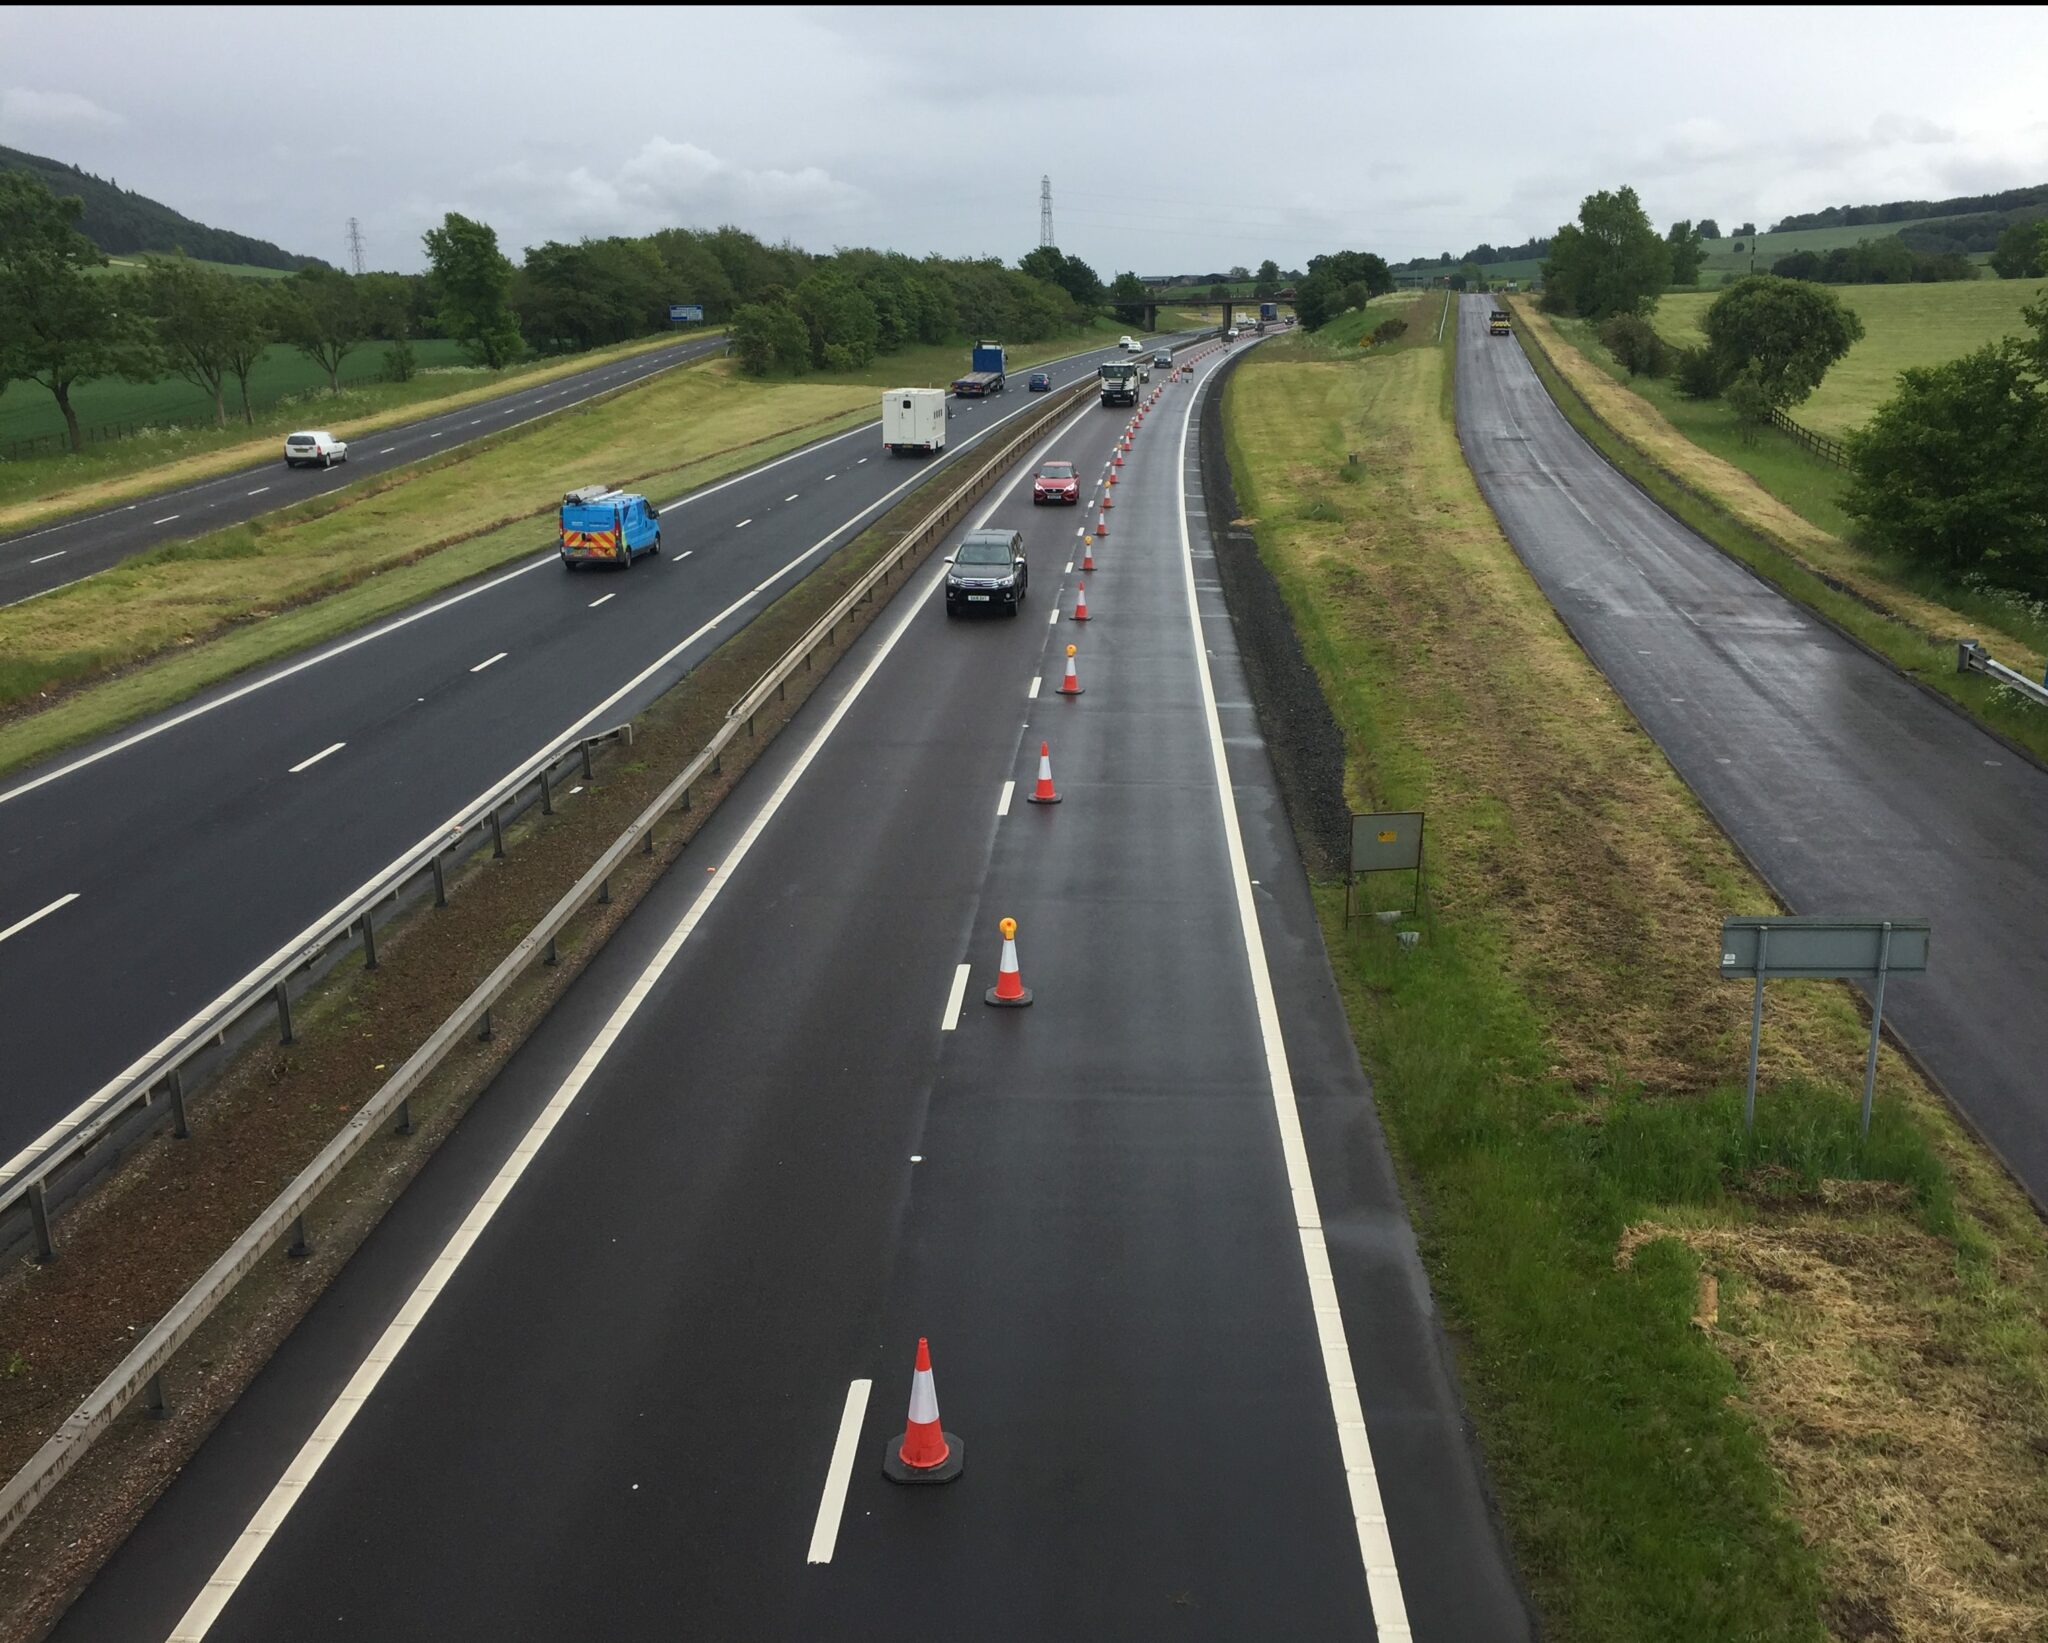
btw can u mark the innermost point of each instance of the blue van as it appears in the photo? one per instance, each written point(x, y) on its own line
point(604, 526)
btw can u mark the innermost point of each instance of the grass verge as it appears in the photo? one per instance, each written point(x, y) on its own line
point(136, 1242)
point(198, 612)
point(45, 488)
point(1911, 629)
point(1792, 1388)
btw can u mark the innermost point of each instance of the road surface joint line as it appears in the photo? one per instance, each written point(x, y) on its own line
point(825, 1535)
point(1383, 1584)
point(307, 764)
point(41, 913)
point(955, 995)
point(216, 1593)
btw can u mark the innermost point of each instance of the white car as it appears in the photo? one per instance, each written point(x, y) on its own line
point(314, 448)
point(1127, 345)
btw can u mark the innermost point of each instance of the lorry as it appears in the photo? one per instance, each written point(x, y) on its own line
point(1120, 382)
point(1269, 310)
point(914, 419)
point(601, 526)
point(1497, 323)
point(987, 375)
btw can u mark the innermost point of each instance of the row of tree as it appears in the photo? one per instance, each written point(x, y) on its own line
point(1338, 281)
point(1855, 216)
point(1886, 261)
point(64, 322)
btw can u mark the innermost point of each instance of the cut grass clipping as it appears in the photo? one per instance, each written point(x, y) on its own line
point(1908, 618)
point(1788, 1389)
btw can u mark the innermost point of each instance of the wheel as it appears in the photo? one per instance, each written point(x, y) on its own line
point(627, 562)
point(656, 547)
point(326, 460)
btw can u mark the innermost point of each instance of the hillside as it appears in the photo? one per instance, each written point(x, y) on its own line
point(119, 221)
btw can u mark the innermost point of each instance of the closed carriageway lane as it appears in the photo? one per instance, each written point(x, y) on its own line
point(1854, 792)
point(197, 852)
point(49, 556)
point(617, 1415)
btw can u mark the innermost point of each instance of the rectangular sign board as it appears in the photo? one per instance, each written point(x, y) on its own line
point(681, 313)
point(1822, 948)
point(1386, 842)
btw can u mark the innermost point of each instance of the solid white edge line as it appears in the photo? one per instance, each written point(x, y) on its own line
point(832, 1505)
point(291, 1487)
point(956, 995)
point(22, 924)
point(490, 661)
point(307, 764)
point(1369, 1515)
point(1003, 803)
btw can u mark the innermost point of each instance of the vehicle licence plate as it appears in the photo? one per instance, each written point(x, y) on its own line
point(977, 598)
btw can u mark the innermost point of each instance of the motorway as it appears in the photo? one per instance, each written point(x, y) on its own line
point(72, 549)
point(623, 1361)
point(1853, 791)
point(196, 845)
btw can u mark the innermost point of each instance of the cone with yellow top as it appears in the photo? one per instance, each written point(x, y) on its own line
point(1009, 988)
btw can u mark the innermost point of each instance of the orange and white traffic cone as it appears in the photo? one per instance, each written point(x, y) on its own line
point(1081, 602)
point(1108, 499)
point(1071, 684)
point(1102, 524)
point(1087, 552)
point(1009, 988)
point(928, 1453)
point(1044, 792)
point(1118, 460)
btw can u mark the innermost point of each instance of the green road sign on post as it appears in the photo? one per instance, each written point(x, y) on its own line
point(1825, 949)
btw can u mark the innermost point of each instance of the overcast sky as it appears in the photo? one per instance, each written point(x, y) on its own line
point(1288, 131)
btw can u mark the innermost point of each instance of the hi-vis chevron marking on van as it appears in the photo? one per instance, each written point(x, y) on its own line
point(604, 526)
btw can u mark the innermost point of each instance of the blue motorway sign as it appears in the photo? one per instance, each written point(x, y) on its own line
point(682, 313)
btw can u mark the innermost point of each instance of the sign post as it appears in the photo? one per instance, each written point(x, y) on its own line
point(1387, 841)
point(686, 313)
point(1824, 949)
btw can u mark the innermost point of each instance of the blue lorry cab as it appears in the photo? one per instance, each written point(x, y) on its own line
point(604, 526)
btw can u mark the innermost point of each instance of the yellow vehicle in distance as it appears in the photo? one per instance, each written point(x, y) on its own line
point(1497, 323)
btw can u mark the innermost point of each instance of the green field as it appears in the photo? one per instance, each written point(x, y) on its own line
point(1903, 325)
point(132, 264)
point(27, 411)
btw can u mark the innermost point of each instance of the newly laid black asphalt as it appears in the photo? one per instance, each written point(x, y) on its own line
point(1856, 793)
point(196, 852)
point(774, 1161)
point(36, 561)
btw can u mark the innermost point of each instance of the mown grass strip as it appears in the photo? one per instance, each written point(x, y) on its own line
point(1788, 1388)
point(1859, 604)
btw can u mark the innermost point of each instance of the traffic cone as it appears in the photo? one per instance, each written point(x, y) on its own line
point(1109, 499)
point(1087, 552)
point(1044, 792)
point(928, 1453)
point(1081, 602)
point(1102, 524)
point(1112, 476)
point(1117, 461)
point(1071, 684)
point(1009, 988)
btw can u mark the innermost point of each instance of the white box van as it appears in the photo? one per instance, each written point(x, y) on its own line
point(914, 419)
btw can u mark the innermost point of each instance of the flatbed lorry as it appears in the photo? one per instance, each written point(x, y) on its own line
point(987, 375)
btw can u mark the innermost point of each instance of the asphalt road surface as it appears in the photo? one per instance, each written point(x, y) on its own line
point(1855, 793)
point(195, 846)
point(72, 549)
point(624, 1361)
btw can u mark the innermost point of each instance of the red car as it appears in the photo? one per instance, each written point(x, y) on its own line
point(1056, 483)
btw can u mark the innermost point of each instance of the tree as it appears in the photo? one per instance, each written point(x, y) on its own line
point(1750, 401)
point(1219, 293)
point(838, 316)
point(1635, 345)
point(1747, 231)
point(1687, 253)
point(1317, 300)
point(1787, 331)
point(2022, 252)
point(1357, 296)
point(1346, 268)
point(1127, 293)
point(1471, 277)
point(61, 325)
point(1240, 274)
point(1709, 229)
point(768, 335)
point(321, 315)
point(248, 340)
point(473, 281)
point(1081, 282)
point(1953, 469)
point(1611, 261)
point(1269, 272)
point(201, 324)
